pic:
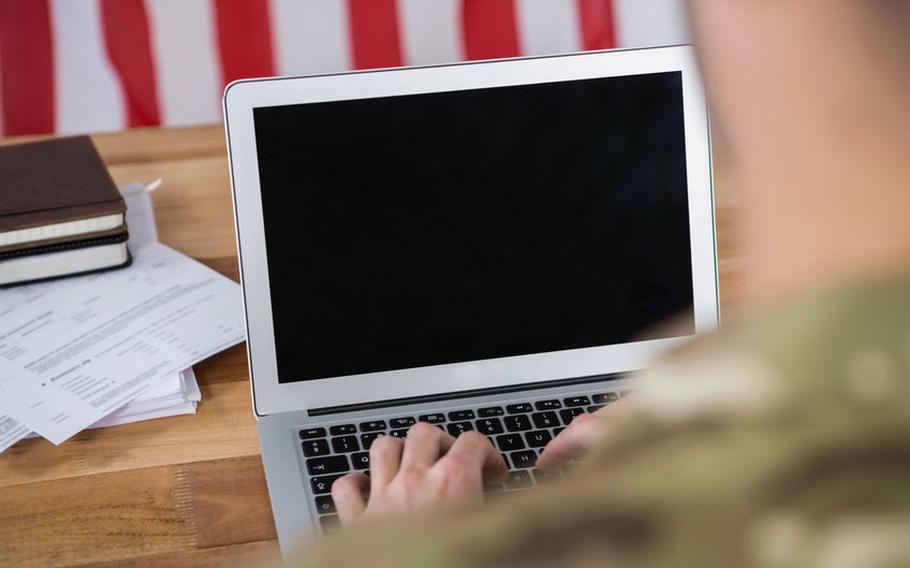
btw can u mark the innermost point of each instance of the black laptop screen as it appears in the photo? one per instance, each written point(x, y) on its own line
point(447, 227)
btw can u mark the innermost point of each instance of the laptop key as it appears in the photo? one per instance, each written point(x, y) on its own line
point(437, 418)
point(489, 426)
point(461, 415)
point(323, 484)
point(510, 442)
point(519, 408)
point(557, 431)
point(401, 433)
point(329, 524)
point(605, 397)
point(518, 423)
point(525, 459)
point(372, 426)
point(343, 429)
point(490, 412)
point(519, 479)
point(366, 440)
point(543, 477)
point(492, 487)
point(328, 464)
point(538, 438)
point(458, 428)
point(313, 448)
point(547, 404)
point(345, 444)
point(310, 433)
point(361, 460)
point(595, 407)
point(325, 504)
point(545, 419)
point(406, 422)
point(577, 401)
point(569, 414)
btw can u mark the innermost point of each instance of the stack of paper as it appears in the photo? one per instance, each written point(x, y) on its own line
point(114, 347)
point(174, 396)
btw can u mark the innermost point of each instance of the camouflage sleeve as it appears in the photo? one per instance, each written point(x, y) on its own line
point(794, 452)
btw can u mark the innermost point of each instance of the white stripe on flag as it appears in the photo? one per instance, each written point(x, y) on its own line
point(88, 92)
point(643, 23)
point(310, 37)
point(189, 76)
point(431, 31)
point(547, 26)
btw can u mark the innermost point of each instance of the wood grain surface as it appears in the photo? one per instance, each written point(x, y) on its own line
point(187, 490)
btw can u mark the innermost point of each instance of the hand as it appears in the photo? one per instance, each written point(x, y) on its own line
point(580, 436)
point(430, 468)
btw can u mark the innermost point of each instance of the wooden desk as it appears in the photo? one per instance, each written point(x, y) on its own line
point(187, 490)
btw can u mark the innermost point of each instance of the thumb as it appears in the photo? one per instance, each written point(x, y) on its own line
point(577, 438)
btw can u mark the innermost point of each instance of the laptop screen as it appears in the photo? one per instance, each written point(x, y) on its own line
point(440, 228)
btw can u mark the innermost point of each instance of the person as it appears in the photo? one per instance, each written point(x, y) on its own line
point(783, 441)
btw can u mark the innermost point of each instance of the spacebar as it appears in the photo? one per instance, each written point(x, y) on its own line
point(330, 464)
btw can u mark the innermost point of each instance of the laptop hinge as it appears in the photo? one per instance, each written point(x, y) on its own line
point(325, 410)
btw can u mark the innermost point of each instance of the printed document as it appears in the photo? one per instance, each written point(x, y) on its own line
point(73, 351)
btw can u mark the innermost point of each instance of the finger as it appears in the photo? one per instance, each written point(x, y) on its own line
point(424, 446)
point(474, 452)
point(349, 495)
point(385, 461)
point(574, 440)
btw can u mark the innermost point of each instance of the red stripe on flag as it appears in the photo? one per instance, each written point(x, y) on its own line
point(375, 41)
point(27, 64)
point(598, 28)
point(129, 49)
point(244, 38)
point(490, 30)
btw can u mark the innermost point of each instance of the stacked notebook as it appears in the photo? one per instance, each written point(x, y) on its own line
point(60, 212)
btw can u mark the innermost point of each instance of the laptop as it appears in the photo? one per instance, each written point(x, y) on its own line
point(487, 246)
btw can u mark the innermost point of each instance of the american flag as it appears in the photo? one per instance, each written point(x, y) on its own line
point(70, 66)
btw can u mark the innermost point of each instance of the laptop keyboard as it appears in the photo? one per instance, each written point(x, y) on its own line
point(519, 431)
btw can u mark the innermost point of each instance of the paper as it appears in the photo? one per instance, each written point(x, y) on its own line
point(11, 432)
point(174, 396)
point(73, 351)
point(140, 215)
point(181, 397)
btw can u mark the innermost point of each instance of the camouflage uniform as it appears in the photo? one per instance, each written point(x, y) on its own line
point(785, 442)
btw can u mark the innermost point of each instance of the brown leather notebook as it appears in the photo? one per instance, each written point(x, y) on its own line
point(54, 191)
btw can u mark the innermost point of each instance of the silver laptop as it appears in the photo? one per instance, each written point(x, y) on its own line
point(484, 246)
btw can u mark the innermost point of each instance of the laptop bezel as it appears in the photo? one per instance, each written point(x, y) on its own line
point(241, 97)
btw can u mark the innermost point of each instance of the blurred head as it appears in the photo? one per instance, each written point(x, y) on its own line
point(812, 95)
point(782, 71)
